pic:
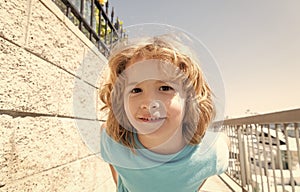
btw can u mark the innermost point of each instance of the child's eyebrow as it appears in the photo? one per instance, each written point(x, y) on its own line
point(156, 82)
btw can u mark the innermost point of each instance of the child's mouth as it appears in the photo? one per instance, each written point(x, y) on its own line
point(151, 119)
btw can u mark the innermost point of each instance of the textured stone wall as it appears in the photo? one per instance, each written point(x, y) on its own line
point(49, 74)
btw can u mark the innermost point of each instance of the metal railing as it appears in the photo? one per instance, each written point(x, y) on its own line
point(265, 151)
point(94, 20)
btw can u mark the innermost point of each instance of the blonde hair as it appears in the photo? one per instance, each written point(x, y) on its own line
point(199, 110)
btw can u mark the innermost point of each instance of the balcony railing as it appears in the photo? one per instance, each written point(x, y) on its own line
point(93, 18)
point(264, 151)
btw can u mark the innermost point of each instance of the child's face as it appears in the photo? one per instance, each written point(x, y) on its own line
point(154, 103)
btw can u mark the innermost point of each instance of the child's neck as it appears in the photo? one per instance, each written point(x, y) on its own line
point(163, 144)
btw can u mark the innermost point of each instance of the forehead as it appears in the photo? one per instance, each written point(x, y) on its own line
point(150, 70)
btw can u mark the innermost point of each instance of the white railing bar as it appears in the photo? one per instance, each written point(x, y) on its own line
point(272, 158)
point(289, 156)
point(280, 155)
point(297, 140)
point(248, 178)
point(264, 154)
point(241, 156)
point(253, 152)
point(237, 152)
point(234, 150)
point(259, 158)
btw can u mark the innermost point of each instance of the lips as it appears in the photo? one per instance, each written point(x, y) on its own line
point(151, 119)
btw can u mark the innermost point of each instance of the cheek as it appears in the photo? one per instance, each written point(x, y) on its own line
point(176, 107)
point(132, 106)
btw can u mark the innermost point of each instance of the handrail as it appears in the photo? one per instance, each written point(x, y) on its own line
point(265, 151)
point(275, 117)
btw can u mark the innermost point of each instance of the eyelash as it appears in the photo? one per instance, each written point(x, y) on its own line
point(136, 90)
point(161, 88)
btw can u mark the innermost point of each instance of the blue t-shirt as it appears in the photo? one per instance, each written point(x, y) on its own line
point(145, 171)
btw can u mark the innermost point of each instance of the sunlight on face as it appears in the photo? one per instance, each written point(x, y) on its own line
point(153, 100)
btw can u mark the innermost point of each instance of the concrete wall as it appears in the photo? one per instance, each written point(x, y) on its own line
point(49, 74)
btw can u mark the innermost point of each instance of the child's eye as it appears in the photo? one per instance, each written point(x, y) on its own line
point(165, 88)
point(136, 90)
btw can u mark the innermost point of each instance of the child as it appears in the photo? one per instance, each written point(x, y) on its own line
point(159, 108)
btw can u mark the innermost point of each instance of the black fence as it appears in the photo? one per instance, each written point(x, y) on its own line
point(93, 18)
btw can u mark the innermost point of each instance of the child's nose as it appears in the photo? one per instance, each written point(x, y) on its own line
point(150, 105)
point(147, 100)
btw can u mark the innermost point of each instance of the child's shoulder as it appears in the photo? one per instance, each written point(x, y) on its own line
point(103, 126)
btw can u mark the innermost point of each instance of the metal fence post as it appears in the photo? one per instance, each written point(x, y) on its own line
point(242, 157)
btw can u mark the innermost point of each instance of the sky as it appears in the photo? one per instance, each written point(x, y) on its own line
point(255, 43)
